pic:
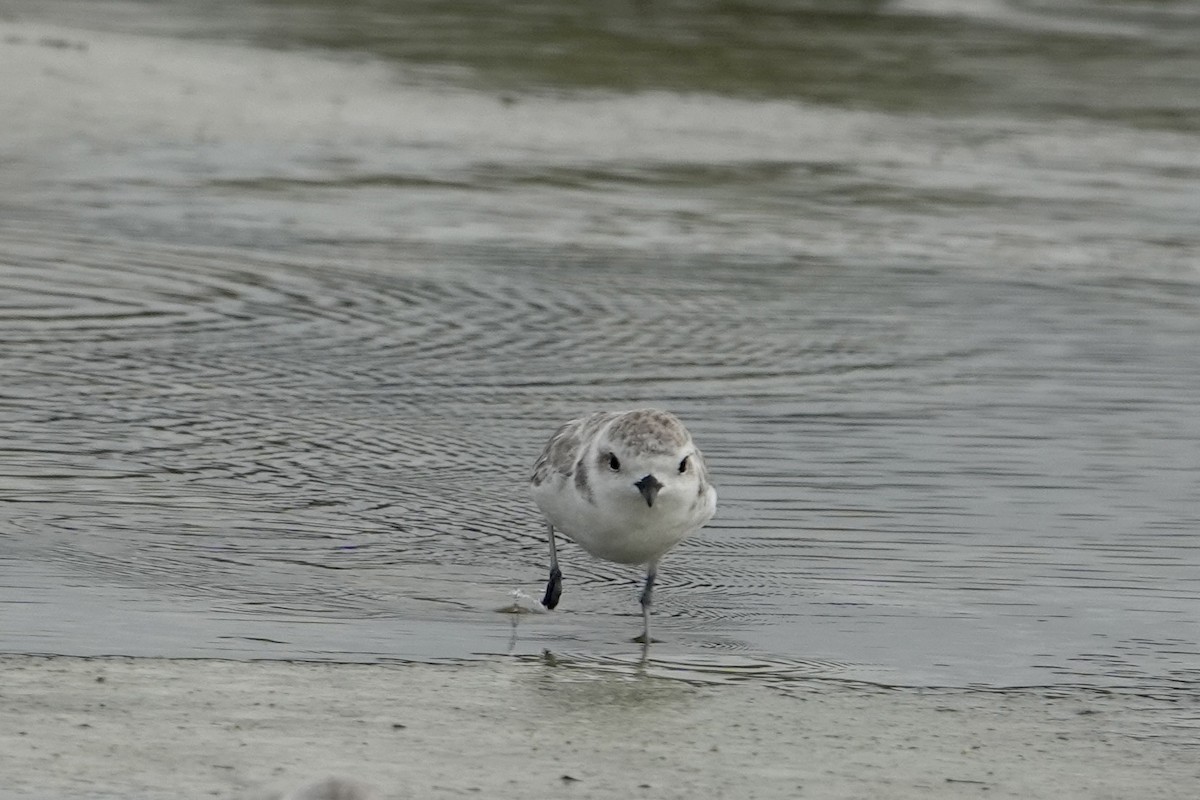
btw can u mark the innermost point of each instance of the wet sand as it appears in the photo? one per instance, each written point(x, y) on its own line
point(118, 727)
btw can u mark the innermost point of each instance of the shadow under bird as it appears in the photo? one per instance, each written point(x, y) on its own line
point(626, 487)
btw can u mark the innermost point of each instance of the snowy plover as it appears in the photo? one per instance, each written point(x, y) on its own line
point(627, 487)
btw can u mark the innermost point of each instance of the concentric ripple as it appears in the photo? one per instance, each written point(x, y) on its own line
point(908, 462)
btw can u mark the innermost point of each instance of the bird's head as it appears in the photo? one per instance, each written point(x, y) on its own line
point(645, 458)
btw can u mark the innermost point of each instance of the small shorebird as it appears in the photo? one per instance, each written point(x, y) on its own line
point(626, 487)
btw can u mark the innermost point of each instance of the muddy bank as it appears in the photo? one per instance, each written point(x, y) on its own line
point(148, 728)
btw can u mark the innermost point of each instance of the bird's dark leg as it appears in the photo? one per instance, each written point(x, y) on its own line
point(647, 601)
point(554, 585)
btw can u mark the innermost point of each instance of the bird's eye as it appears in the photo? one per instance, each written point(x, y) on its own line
point(614, 463)
point(683, 465)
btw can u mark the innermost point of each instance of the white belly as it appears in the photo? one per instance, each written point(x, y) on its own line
point(627, 532)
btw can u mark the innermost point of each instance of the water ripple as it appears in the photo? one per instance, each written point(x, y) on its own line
point(946, 466)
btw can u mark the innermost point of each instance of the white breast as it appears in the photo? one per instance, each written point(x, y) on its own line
point(626, 531)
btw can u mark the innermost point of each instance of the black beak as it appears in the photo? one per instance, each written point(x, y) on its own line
point(649, 487)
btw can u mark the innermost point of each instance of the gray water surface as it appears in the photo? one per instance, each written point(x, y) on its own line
point(283, 330)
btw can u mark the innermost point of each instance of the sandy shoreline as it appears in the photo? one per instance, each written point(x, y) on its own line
point(149, 728)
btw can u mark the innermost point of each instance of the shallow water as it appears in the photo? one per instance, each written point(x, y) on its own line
point(284, 331)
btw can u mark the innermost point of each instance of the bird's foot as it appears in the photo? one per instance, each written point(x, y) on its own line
point(553, 589)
